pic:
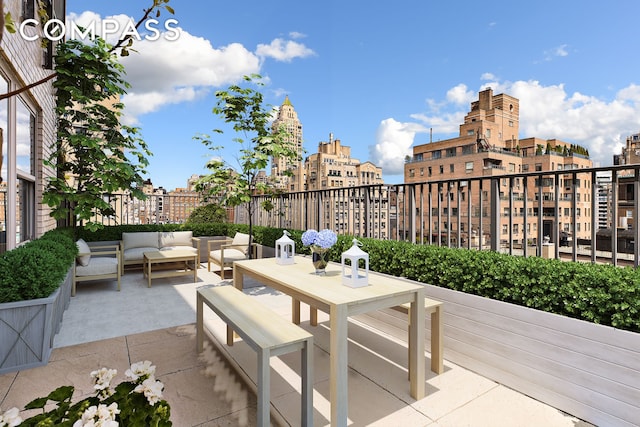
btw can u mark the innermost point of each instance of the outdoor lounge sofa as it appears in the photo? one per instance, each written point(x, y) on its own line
point(134, 244)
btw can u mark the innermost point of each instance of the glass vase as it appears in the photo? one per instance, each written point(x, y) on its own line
point(320, 259)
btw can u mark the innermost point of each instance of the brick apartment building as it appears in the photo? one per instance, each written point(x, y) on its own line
point(489, 146)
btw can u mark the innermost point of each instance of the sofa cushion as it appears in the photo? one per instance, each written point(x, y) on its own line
point(176, 238)
point(98, 266)
point(180, 248)
point(83, 248)
point(241, 241)
point(136, 254)
point(143, 239)
point(230, 255)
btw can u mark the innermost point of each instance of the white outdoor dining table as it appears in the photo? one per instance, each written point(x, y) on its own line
point(327, 293)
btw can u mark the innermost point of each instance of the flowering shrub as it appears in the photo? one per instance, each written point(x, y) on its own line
point(136, 402)
point(323, 238)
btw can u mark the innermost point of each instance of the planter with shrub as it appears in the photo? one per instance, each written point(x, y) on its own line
point(35, 288)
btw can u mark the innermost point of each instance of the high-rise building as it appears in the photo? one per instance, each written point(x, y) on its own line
point(489, 146)
point(333, 167)
point(288, 118)
point(630, 152)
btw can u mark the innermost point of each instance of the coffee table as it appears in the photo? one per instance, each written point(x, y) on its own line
point(160, 258)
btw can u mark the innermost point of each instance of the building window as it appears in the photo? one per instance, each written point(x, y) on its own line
point(452, 168)
point(429, 171)
point(441, 169)
point(468, 167)
point(18, 172)
point(538, 167)
point(436, 154)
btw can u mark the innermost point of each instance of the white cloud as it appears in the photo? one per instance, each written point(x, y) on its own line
point(158, 77)
point(393, 144)
point(283, 50)
point(163, 72)
point(558, 51)
point(545, 112)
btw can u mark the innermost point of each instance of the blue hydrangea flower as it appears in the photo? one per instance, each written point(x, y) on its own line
point(324, 238)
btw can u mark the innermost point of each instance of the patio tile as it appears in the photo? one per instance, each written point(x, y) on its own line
point(503, 407)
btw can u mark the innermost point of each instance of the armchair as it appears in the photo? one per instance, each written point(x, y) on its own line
point(230, 250)
point(98, 262)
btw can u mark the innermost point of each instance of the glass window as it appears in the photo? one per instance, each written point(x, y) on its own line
point(25, 171)
point(469, 166)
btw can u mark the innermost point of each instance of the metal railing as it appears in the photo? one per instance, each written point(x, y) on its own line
point(574, 214)
point(555, 214)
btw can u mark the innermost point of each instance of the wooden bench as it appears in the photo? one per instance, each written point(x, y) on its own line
point(268, 333)
point(437, 332)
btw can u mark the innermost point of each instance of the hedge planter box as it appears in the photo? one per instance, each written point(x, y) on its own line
point(27, 329)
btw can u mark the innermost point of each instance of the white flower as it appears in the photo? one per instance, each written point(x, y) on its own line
point(103, 379)
point(152, 390)
point(11, 418)
point(99, 416)
point(142, 370)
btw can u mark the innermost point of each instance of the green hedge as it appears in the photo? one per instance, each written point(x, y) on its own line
point(597, 293)
point(37, 268)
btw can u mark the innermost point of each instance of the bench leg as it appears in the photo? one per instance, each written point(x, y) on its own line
point(307, 384)
point(264, 402)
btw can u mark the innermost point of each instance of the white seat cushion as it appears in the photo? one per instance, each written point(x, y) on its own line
point(137, 254)
point(83, 248)
point(180, 248)
point(230, 255)
point(98, 266)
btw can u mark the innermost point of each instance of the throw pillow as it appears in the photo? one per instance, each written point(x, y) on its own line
point(83, 248)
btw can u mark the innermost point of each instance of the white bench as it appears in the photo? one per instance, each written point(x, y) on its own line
point(435, 308)
point(268, 333)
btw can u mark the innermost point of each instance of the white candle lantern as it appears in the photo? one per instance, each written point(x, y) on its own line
point(285, 249)
point(352, 275)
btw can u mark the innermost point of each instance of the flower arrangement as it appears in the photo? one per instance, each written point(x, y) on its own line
point(135, 402)
point(322, 239)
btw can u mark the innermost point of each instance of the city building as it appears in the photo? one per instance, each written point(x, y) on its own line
point(630, 152)
point(333, 167)
point(28, 126)
point(488, 145)
point(604, 188)
point(288, 118)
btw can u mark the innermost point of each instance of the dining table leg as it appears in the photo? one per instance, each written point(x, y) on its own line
point(338, 365)
point(416, 346)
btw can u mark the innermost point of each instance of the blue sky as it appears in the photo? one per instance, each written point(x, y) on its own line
point(380, 75)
